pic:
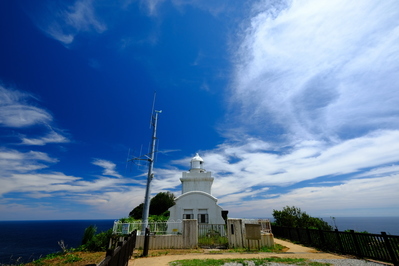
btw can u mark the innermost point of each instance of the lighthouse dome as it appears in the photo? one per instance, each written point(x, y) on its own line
point(197, 163)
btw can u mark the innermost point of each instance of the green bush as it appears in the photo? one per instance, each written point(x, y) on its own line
point(95, 242)
point(294, 217)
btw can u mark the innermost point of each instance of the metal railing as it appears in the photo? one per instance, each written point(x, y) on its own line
point(381, 247)
point(158, 228)
point(211, 230)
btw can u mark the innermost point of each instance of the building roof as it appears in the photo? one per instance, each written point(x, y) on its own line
point(197, 158)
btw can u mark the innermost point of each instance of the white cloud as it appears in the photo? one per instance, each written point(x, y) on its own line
point(16, 112)
point(109, 167)
point(152, 5)
point(303, 162)
point(214, 7)
point(249, 176)
point(64, 23)
point(319, 69)
point(51, 137)
point(358, 197)
point(13, 161)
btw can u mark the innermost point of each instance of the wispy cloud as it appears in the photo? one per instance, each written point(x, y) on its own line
point(152, 6)
point(15, 111)
point(109, 167)
point(63, 23)
point(319, 69)
point(13, 161)
point(248, 174)
point(358, 197)
point(19, 110)
point(214, 7)
point(51, 137)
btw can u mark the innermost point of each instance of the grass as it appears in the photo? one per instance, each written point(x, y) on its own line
point(83, 258)
point(162, 252)
point(245, 262)
point(78, 258)
point(214, 240)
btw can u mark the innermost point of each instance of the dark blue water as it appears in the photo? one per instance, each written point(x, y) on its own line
point(373, 225)
point(24, 241)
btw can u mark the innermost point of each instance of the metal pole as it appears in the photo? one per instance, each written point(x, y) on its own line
point(146, 208)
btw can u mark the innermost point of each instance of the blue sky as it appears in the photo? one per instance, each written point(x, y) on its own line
point(288, 102)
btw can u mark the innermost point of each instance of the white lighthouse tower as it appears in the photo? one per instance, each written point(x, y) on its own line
point(197, 179)
point(196, 201)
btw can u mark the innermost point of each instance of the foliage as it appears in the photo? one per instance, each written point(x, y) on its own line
point(294, 217)
point(89, 234)
point(71, 258)
point(213, 240)
point(127, 220)
point(95, 242)
point(137, 212)
point(151, 218)
point(159, 205)
point(245, 262)
point(361, 232)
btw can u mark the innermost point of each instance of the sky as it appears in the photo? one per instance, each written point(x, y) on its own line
point(289, 103)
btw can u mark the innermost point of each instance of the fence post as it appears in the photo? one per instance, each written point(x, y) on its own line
point(190, 233)
point(392, 254)
point(341, 248)
point(355, 240)
point(146, 242)
point(322, 240)
point(299, 235)
point(309, 237)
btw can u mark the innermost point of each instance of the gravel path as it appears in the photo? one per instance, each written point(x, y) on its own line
point(294, 251)
point(344, 262)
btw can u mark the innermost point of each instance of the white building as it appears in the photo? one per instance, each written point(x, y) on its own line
point(196, 201)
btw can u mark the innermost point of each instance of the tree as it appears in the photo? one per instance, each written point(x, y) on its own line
point(159, 205)
point(294, 217)
point(137, 212)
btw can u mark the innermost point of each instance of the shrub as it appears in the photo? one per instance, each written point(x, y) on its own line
point(95, 242)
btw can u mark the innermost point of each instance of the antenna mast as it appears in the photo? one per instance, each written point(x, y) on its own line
point(146, 210)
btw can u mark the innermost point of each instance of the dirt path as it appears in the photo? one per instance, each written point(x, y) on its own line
point(294, 251)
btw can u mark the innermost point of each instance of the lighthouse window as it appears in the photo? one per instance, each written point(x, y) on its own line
point(188, 214)
point(203, 216)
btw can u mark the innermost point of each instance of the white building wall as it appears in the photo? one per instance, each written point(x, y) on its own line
point(197, 181)
point(197, 201)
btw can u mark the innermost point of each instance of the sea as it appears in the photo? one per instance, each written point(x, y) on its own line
point(25, 241)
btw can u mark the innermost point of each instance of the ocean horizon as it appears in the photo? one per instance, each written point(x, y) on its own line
point(25, 241)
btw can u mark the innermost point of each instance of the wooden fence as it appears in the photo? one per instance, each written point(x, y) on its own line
point(120, 250)
point(381, 247)
point(237, 236)
point(188, 239)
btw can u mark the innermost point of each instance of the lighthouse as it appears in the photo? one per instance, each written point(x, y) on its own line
point(196, 200)
point(197, 179)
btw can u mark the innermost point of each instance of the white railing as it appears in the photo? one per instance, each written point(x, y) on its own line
point(265, 226)
point(157, 228)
